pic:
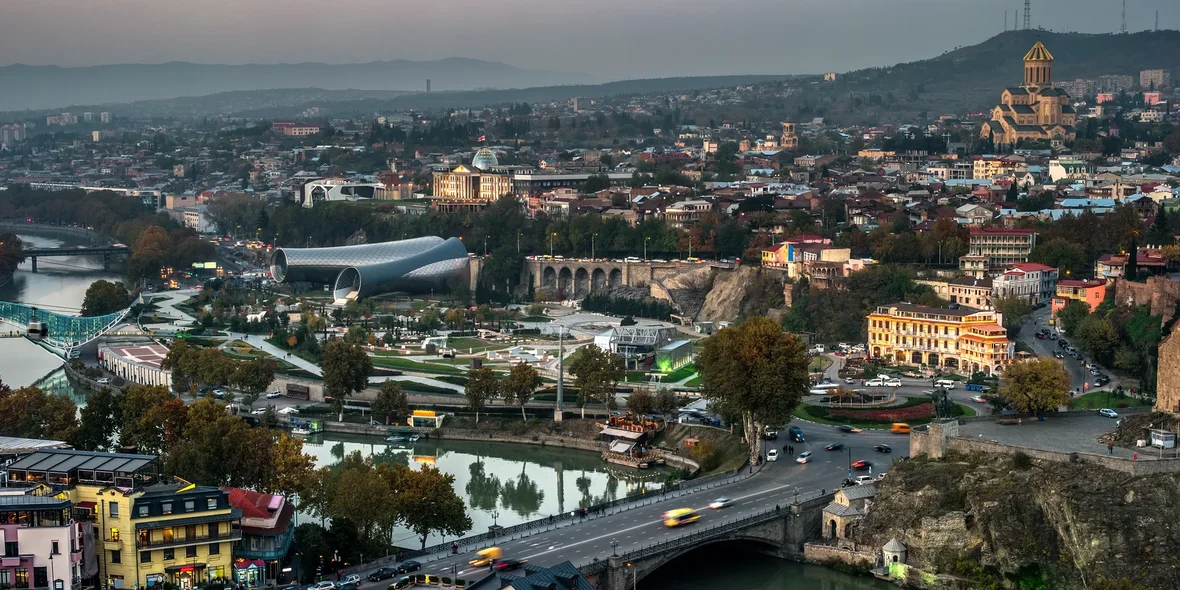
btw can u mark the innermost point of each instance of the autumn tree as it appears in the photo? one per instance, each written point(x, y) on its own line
point(1070, 317)
point(391, 401)
point(29, 412)
point(346, 369)
point(1035, 386)
point(99, 422)
point(597, 373)
point(1015, 311)
point(103, 297)
point(142, 427)
point(482, 386)
point(641, 402)
point(665, 401)
point(427, 503)
point(518, 387)
point(756, 371)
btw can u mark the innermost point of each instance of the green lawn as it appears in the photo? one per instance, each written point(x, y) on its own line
point(1102, 399)
point(819, 363)
point(694, 382)
point(465, 344)
point(637, 377)
point(394, 362)
point(680, 374)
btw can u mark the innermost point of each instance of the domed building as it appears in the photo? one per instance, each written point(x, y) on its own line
point(485, 159)
point(1035, 110)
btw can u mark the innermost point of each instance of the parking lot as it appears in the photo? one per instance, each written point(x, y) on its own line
point(1071, 434)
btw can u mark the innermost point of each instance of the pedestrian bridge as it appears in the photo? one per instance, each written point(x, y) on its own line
point(65, 335)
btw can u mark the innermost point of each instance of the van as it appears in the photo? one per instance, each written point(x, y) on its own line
point(796, 434)
point(945, 384)
point(900, 428)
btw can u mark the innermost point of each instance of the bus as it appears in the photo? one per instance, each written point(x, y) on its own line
point(680, 516)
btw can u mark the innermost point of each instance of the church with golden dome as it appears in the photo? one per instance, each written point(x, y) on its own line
point(1035, 110)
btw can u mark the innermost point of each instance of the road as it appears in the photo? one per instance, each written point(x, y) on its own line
point(1080, 378)
point(776, 484)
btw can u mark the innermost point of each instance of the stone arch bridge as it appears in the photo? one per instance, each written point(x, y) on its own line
point(579, 277)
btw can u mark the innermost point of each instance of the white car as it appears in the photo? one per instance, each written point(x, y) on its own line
point(1109, 413)
point(289, 410)
point(720, 503)
point(325, 585)
point(893, 383)
point(863, 479)
point(848, 380)
point(804, 457)
point(351, 579)
point(103, 381)
point(875, 383)
point(772, 455)
point(219, 392)
point(258, 411)
point(274, 394)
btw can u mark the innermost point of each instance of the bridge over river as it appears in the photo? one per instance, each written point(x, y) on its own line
point(64, 335)
point(107, 252)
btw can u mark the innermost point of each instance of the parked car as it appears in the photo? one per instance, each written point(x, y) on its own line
point(220, 393)
point(325, 585)
point(351, 579)
point(274, 394)
point(883, 448)
point(348, 586)
point(863, 479)
point(1109, 413)
point(979, 399)
point(772, 455)
point(836, 446)
point(258, 411)
point(804, 457)
point(407, 566)
point(381, 574)
point(875, 383)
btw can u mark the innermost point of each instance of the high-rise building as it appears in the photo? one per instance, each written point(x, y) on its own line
point(104, 117)
point(1035, 110)
point(992, 249)
point(1155, 79)
point(88, 116)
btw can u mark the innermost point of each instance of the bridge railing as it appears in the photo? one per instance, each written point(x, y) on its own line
point(696, 537)
point(591, 512)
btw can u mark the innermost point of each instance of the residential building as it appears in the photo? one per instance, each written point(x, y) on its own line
point(197, 218)
point(1113, 266)
point(10, 134)
point(991, 249)
point(152, 530)
point(1089, 291)
point(685, 213)
point(43, 545)
point(295, 129)
point(1155, 79)
point(1035, 110)
point(1068, 169)
point(799, 253)
point(1031, 281)
point(963, 339)
point(266, 535)
point(971, 292)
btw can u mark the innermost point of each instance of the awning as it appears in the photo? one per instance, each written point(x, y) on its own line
point(192, 567)
point(87, 504)
point(620, 433)
point(245, 564)
point(621, 447)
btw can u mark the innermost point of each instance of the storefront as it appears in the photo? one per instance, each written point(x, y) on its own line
point(186, 577)
point(250, 572)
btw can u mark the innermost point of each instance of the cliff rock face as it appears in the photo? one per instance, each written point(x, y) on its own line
point(743, 292)
point(685, 290)
point(1078, 522)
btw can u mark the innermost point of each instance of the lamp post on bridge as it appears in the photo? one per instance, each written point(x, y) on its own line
point(614, 548)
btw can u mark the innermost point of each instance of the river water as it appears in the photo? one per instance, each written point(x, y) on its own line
point(501, 483)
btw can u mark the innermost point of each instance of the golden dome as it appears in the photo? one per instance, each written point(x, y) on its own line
point(1038, 53)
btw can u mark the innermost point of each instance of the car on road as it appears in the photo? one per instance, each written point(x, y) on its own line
point(486, 556)
point(103, 381)
point(258, 411)
point(861, 465)
point(847, 428)
point(795, 434)
point(680, 516)
point(1062, 343)
point(772, 455)
point(849, 380)
point(510, 564)
point(348, 586)
point(1095, 371)
point(407, 566)
point(883, 448)
point(325, 585)
point(274, 394)
point(1058, 355)
point(893, 383)
point(875, 383)
point(979, 399)
point(351, 579)
point(804, 457)
point(381, 574)
point(863, 479)
point(1109, 413)
point(836, 446)
point(1101, 380)
point(720, 503)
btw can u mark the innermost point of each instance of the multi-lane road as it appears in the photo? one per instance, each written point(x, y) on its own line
point(775, 484)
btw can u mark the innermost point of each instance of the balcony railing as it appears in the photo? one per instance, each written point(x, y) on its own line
point(179, 541)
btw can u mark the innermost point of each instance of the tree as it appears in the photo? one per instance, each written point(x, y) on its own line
point(141, 427)
point(391, 401)
point(481, 388)
point(29, 412)
point(641, 402)
point(1062, 254)
point(254, 377)
point(1034, 386)
point(1070, 316)
point(99, 423)
point(103, 297)
point(427, 503)
point(11, 253)
point(346, 369)
point(597, 373)
point(519, 385)
point(1096, 335)
point(665, 401)
point(756, 371)
point(1015, 311)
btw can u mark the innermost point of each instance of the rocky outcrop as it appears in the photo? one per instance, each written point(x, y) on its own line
point(968, 516)
point(742, 292)
point(685, 290)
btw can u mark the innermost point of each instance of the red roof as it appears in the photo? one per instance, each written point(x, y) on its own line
point(1031, 266)
point(252, 504)
point(1003, 231)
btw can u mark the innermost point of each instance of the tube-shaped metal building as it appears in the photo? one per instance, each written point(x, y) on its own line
point(417, 273)
point(323, 265)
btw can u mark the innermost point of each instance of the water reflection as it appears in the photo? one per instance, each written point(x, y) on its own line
point(482, 490)
point(739, 566)
point(522, 495)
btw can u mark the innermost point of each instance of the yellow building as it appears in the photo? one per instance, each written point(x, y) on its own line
point(1035, 110)
point(472, 186)
point(148, 530)
point(965, 340)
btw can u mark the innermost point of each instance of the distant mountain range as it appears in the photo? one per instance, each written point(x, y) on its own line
point(43, 87)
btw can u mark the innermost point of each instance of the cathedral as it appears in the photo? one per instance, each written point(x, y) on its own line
point(1035, 110)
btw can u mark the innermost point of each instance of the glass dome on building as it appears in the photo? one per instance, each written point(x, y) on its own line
point(485, 159)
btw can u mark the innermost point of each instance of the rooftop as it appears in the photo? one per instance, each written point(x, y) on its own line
point(948, 311)
point(150, 354)
point(62, 460)
point(1002, 231)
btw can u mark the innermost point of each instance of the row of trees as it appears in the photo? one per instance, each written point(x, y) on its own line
point(1125, 337)
point(516, 388)
point(193, 366)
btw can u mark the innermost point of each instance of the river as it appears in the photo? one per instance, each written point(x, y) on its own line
point(58, 285)
point(501, 483)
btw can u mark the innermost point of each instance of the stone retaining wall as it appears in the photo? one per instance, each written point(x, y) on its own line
point(826, 554)
point(1121, 464)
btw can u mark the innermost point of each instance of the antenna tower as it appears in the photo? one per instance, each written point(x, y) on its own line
point(1028, 14)
point(1157, 21)
point(1006, 20)
point(1124, 29)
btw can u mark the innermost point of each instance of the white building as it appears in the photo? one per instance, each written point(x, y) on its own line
point(1031, 281)
point(42, 541)
point(139, 364)
point(197, 218)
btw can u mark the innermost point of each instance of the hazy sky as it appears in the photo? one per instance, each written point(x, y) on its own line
point(606, 38)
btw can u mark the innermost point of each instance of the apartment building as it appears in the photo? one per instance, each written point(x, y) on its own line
point(42, 542)
point(151, 530)
point(992, 249)
point(1031, 281)
point(1089, 291)
point(965, 340)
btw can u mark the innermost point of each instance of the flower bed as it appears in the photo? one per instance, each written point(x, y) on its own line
point(900, 414)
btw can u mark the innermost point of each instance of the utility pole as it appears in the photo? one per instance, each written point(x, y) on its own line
point(557, 412)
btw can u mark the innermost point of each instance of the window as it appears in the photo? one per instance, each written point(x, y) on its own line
point(11, 549)
point(114, 508)
point(143, 510)
point(22, 577)
point(114, 534)
point(41, 577)
point(212, 504)
point(212, 529)
point(190, 532)
point(145, 557)
point(4, 579)
point(116, 557)
point(166, 507)
point(189, 505)
point(168, 535)
point(54, 549)
point(190, 551)
point(169, 554)
point(215, 549)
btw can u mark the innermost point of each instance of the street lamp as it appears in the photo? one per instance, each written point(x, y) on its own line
point(551, 236)
point(614, 548)
point(518, 234)
point(645, 241)
point(485, 246)
point(634, 576)
point(592, 246)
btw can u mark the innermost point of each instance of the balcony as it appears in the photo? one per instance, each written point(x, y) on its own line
point(180, 541)
point(115, 544)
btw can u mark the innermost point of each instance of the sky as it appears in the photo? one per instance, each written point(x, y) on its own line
point(608, 39)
